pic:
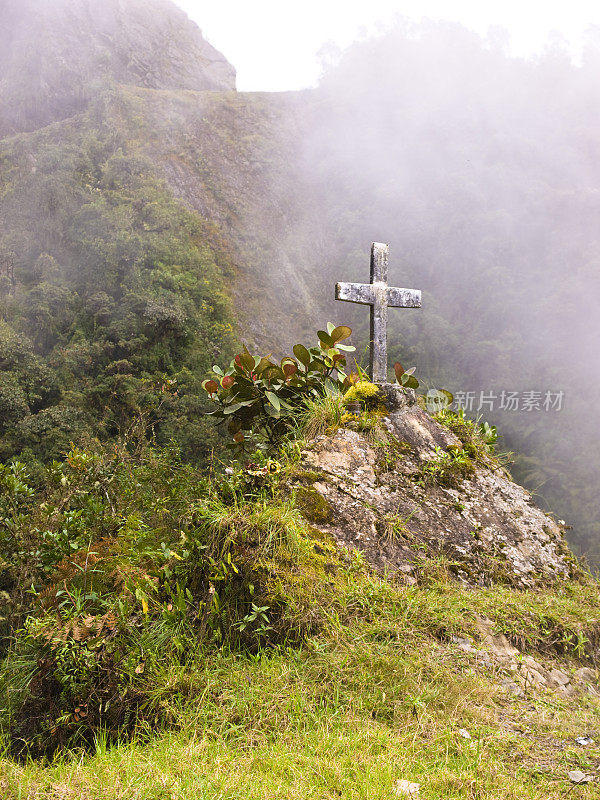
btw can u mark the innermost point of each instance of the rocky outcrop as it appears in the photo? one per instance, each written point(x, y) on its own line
point(522, 671)
point(383, 496)
point(53, 54)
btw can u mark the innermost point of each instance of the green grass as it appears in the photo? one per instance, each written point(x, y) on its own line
point(321, 415)
point(374, 698)
point(345, 683)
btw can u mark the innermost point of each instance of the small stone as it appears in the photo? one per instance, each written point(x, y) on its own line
point(585, 675)
point(584, 741)
point(566, 691)
point(511, 688)
point(502, 648)
point(464, 733)
point(407, 788)
point(577, 776)
point(535, 666)
point(558, 677)
point(533, 678)
point(463, 644)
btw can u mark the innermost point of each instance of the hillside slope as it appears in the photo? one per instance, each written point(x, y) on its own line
point(54, 56)
point(237, 638)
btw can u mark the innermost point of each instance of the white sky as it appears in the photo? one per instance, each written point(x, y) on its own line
point(274, 44)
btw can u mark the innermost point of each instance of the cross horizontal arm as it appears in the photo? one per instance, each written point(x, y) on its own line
point(403, 298)
point(365, 293)
point(355, 293)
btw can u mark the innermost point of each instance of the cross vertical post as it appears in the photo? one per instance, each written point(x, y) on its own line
point(379, 312)
point(379, 296)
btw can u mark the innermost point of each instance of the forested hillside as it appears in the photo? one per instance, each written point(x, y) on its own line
point(111, 289)
point(146, 221)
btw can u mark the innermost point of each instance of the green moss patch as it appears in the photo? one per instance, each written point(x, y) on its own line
point(313, 506)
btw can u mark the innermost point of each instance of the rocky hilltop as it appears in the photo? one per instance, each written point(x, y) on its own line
point(424, 491)
point(46, 75)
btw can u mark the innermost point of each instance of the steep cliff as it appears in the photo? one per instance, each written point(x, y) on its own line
point(55, 55)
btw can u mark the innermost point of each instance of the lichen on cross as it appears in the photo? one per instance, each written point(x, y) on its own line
point(379, 296)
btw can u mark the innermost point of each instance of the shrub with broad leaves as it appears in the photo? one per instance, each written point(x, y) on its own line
point(259, 398)
point(406, 378)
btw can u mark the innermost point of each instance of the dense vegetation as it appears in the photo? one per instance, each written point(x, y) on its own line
point(479, 169)
point(193, 618)
point(124, 557)
point(169, 630)
point(111, 294)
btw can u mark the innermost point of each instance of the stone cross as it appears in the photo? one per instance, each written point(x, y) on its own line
point(379, 296)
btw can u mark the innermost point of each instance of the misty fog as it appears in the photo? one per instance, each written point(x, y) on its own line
point(483, 174)
point(213, 555)
point(480, 170)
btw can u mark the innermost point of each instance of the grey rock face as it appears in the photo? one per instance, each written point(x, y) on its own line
point(53, 54)
point(488, 527)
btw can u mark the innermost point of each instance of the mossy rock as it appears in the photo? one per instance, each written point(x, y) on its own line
point(324, 539)
point(577, 571)
point(368, 395)
point(363, 392)
point(304, 476)
point(313, 506)
point(453, 475)
point(389, 453)
point(448, 470)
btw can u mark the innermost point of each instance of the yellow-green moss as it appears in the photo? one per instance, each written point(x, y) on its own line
point(364, 392)
point(313, 506)
point(322, 538)
point(305, 476)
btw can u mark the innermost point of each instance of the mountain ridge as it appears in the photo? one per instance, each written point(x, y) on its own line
point(47, 76)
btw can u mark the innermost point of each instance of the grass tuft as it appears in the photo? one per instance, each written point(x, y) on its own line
point(321, 415)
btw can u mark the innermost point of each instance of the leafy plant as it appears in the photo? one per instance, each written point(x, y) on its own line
point(447, 468)
point(489, 434)
point(259, 399)
point(407, 377)
point(478, 438)
point(257, 620)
